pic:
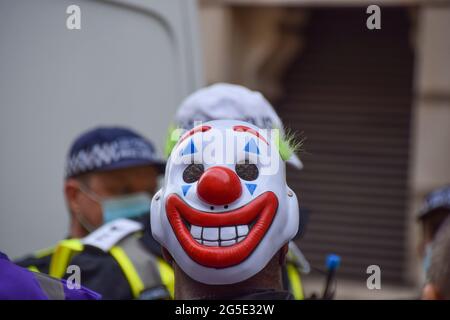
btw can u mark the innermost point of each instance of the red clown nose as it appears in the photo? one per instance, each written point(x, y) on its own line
point(219, 186)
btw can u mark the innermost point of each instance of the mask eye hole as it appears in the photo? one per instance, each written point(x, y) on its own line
point(247, 171)
point(193, 172)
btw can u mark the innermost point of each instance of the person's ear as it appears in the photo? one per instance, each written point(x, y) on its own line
point(72, 193)
point(283, 252)
point(430, 292)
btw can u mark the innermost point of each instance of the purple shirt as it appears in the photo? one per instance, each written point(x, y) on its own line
point(17, 283)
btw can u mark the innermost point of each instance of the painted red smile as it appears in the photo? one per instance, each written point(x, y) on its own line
point(214, 245)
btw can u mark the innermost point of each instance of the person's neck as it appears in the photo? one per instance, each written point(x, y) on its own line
point(187, 289)
point(77, 231)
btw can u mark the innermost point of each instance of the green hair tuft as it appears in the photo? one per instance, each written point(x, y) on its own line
point(290, 144)
point(173, 135)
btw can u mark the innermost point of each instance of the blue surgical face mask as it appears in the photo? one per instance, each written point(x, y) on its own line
point(426, 262)
point(127, 206)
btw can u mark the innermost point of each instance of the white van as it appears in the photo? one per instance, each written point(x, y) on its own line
point(67, 66)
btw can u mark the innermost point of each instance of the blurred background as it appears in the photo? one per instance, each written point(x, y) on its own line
point(374, 106)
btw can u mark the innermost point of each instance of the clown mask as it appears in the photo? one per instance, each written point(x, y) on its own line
point(225, 208)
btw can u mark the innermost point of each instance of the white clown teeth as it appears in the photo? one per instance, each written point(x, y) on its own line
point(220, 236)
point(196, 232)
point(227, 243)
point(210, 234)
point(211, 243)
point(242, 230)
point(227, 233)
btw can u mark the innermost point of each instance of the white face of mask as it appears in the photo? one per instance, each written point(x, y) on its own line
point(224, 220)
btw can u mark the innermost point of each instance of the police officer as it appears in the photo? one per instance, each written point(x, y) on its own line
point(224, 101)
point(17, 283)
point(111, 174)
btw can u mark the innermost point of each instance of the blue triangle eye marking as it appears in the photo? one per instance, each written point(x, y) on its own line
point(190, 148)
point(251, 146)
point(251, 187)
point(185, 188)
